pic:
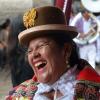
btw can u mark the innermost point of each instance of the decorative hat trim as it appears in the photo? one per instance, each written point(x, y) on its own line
point(29, 18)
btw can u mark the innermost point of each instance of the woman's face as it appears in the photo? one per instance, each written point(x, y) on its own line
point(47, 59)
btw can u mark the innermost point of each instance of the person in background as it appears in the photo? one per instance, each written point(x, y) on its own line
point(5, 29)
point(59, 72)
point(98, 41)
point(20, 69)
point(83, 24)
point(72, 15)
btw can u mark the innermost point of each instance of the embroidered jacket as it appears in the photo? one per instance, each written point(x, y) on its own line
point(87, 87)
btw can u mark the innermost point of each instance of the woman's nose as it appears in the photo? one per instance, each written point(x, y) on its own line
point(36, 54)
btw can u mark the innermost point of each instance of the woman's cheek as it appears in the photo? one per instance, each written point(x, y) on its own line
point(30, 60)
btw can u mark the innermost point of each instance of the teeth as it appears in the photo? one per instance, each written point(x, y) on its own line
point(39, 63)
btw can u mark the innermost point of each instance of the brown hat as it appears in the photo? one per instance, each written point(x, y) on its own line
point(43, 21)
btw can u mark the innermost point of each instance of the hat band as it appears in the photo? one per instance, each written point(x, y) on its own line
point(52, 27)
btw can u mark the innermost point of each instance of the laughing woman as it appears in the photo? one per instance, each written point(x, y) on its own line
point(52, 54)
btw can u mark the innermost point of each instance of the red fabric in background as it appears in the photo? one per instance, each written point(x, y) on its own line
point(60, 4)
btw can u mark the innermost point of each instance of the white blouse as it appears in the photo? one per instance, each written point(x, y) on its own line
point(65, 85)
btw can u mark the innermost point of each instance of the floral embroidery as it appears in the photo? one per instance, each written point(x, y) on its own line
point(29, 18)
point(21, 98)
point(24, 91)
point(86, 91)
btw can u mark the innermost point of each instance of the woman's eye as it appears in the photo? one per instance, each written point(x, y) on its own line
point(29, 51)
point(40, 46)
point(43, 45)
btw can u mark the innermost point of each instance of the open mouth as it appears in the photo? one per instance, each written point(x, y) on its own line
point(40, 65)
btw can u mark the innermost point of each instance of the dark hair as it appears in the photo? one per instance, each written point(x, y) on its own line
point(61, 40)
point(5, 24)
point(83, 10)
point(74, 58)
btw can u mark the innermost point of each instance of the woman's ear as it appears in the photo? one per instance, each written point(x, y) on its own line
point(67, 50)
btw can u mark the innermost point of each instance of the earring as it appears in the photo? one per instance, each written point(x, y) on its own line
point(68, 65)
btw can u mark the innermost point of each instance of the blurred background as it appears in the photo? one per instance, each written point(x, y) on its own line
point(14, 67)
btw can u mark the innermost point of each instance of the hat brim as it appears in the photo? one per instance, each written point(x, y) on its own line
point(54, 29)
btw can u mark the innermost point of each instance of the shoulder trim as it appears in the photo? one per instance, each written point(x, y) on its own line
point(89, 74)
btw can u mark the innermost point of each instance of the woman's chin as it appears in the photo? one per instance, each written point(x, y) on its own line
point(43, 78)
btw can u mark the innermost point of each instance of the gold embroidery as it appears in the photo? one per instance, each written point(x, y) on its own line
point(23, 98)
point(29, 18)
point(80, 99)
point(20, 98)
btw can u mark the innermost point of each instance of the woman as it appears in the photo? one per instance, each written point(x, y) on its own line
point(52, 54)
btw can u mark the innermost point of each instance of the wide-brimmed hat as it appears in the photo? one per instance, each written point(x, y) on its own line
point(45, 21)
